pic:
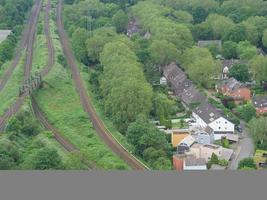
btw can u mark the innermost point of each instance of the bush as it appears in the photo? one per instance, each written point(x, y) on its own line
point(247, 163)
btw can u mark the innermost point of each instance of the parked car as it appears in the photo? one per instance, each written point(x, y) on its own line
point(239, 129)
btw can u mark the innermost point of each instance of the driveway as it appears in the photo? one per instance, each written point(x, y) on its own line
point(245, 148)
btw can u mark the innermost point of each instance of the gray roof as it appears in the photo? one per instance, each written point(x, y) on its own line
point(204, 43)
point(208, 130)
point(232, 84)
point(207, 112)
point(192, 161)
point(181, 85)
point(259, 101)
point(4, 34)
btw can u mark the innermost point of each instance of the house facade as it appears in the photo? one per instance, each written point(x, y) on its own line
point(207, 116)
point(233, 88)
point(260, 103)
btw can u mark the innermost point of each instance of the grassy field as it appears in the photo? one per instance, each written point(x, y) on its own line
point(3, 68)
point(60, 103)
point(40, 55)
point(9, 94)
point(28, 146)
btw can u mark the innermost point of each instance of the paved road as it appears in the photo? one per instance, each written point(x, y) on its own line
point(245, 148)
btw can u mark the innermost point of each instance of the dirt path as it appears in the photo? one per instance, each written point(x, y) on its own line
point(100, 128)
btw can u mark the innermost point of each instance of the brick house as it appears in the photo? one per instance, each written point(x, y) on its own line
point(235, 89)
point(260, 103)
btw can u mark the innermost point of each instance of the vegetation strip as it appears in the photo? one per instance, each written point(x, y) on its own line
point(100, 128)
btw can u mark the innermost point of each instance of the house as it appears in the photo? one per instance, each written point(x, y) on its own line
point(260, 103)
point(205, 43)
point(181, 86)
point(233, 88)
point(178, 136)
point(204, 137)
point(206, 151)
point(232, 138)
point(207, 116)
point(188, 162)
point(133, 27)
point(193, 163)
point(182, 140)
point(163, 81)
point(4, 34)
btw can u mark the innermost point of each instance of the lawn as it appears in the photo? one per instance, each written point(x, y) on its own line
point(9, 94)
point(61, 105)
point(259, 158)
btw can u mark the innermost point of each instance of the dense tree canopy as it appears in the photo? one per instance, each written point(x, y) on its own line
point(125, 96)
point(258, 67)
point(200, 66)
point(240, 72)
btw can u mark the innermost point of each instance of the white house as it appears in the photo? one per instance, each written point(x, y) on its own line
point(207, 116)
point(192, 163)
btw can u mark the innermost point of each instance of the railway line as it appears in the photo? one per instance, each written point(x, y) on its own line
point(27, 41)
point(65, 143)
point(23, 43)
point(86, 103)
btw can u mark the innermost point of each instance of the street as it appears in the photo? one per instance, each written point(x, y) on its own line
point(245, 148)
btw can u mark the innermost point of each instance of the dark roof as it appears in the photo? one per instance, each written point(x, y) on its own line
point(232, 84)
point(181, 85)
point(192, 161)
point(207, 112)
point(209, 130)
point(259, 101)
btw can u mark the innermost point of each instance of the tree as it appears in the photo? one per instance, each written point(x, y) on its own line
point(264, 38)
point(96, 43)
point(6, 160)
point(46, 159)
point(246, 112)
point(247, 163)
point(120, 21)
point(200, 66)
point(123, 85)
point(236, 34)
point(79, 38)
point(258, 67)
point(151, 154)
point(162, 163)
point(258, 130)
point(162, 52)
point(163, 107)
point(229, 50)
point(136, 130)
point(181, 16)
point(240, 72)
point(245, 50)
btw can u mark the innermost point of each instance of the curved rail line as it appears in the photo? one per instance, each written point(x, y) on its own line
point(64, 142)
point(26, 42)
point(86, 103)
point(23, 43)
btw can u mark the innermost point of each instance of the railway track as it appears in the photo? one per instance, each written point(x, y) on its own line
point(23, 44)
point(86, 103)
point(65, 143)
point(27, 41)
